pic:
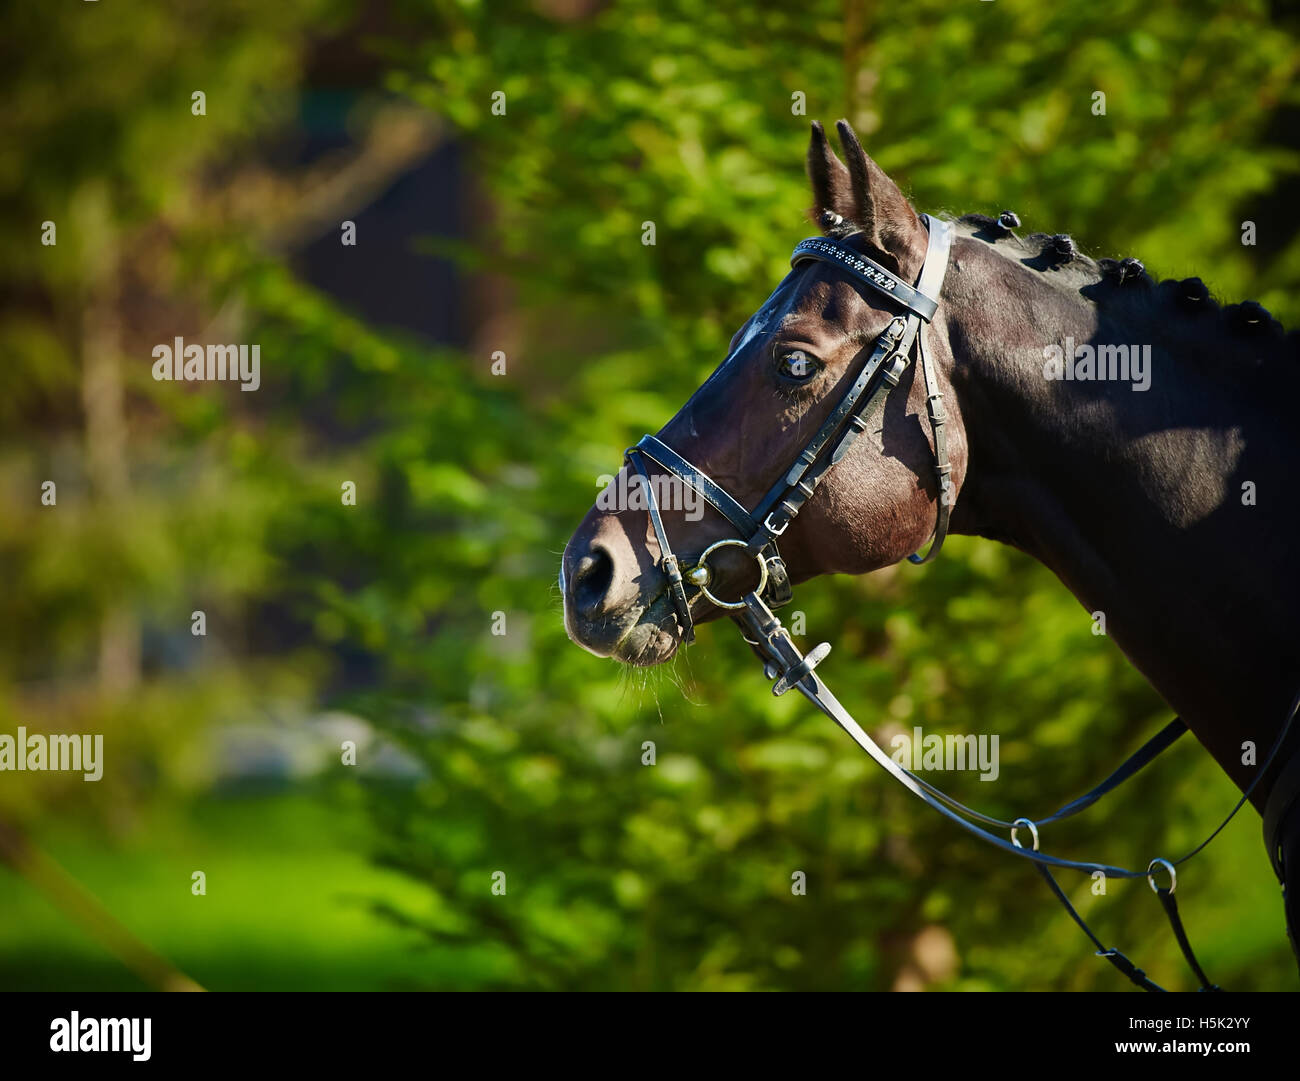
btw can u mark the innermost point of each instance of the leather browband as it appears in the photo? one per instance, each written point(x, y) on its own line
point(866, 271)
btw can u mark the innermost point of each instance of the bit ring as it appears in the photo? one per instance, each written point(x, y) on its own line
point(704, 562)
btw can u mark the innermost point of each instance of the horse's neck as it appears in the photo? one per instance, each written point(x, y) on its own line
point(1166, 510)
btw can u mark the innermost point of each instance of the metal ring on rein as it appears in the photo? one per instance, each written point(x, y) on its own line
point(1034, 833)
point(1173, 875)
point(703, 562)
point(1033, 830)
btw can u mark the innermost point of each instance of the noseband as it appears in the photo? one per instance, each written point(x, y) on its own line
point(890, 356)
point(790, 669)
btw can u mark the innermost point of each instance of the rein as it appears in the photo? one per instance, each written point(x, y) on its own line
point(788, 668)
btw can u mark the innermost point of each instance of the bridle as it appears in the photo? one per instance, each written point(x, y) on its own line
point(758, 531)
point(889, 358)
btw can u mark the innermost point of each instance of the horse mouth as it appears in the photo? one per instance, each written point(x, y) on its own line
point(643, 635)
point(653, 638)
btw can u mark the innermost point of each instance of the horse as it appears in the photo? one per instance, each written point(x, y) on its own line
point(1133, 435)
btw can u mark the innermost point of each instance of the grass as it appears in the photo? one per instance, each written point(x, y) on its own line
point(289, 891)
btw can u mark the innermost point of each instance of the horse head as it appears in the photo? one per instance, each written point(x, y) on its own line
point(787, 375)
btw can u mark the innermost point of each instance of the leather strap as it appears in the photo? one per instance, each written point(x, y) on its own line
point(942, 467)
point(869, 272)
point(784, 663)
point(887, 346)
point(667, 560)
point(779, 588)
point(1127, 967)
point(781, 656)
point(1284, 796)
point(786, 498)
point(1139, 758)
point(936, 258)
point(1170, 906)
point(674, 463)
point(935, 268)
point(889, 358)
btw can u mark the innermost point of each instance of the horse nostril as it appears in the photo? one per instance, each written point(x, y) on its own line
point(591, 581)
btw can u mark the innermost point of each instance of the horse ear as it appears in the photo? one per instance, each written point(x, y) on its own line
point(881, 210)
point(831, 183)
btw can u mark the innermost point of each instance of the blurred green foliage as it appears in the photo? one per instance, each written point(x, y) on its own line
point(618, 875)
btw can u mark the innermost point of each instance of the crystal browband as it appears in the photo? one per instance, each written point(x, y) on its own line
point(866, 271)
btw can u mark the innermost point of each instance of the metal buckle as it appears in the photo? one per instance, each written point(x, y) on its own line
point(772, 530)
point(731, 543)
point(897, 365)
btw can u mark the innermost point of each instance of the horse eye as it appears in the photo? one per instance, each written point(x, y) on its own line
point(796, 364)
